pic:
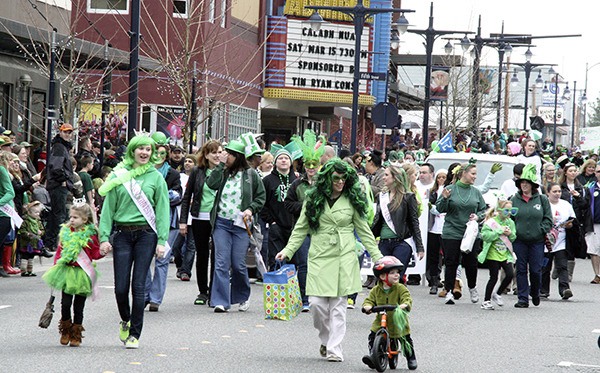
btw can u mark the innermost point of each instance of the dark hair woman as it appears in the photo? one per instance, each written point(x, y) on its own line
point(240, 195)
point(198, 201)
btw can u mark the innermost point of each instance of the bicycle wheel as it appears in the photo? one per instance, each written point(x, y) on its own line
point(394, 346)
point(379, 353)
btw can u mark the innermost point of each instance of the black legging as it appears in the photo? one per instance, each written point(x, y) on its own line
point(453, 257)
point(201, 230)
point(494, 267)
point(434, 244)
point(78, 302)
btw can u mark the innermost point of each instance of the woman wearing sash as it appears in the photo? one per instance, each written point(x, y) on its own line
point(7, 194)
point(240, 195)
point(136, 210)
point(397, 217)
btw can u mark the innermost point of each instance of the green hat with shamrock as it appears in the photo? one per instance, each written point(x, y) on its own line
point(529, 174)
point(160, 138)
point(251, 147)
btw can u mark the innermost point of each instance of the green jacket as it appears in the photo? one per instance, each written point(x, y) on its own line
point(534, 218)
point(459, 209)
point(398, 294)
point(253, 190)
point(489, 237)
point(333, 268)
point(7, 192)
point(119, 208)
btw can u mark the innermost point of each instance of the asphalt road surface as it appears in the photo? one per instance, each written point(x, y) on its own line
point(557, 336)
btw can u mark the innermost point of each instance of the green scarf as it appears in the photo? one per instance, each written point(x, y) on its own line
point(72, 242)
point(114, 181)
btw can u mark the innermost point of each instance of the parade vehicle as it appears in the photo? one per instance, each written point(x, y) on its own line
point(484, 164)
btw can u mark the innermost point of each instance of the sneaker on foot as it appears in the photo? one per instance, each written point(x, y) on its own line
point(124, 330)
point(433, 290)
point(201, 299)
point(487, 305)
point(544, 295)
point(474, 295)
point(132, 342)
point(498, 299)
point(153, 307)
point(367, 360)
point(220, 309)
point(184, 277)
point(243, 306)
point(334, 358)
point(535, 301)
point(450, 298)
point(567, 294)
point(521, 305)
point(305, 308)
point(596, 280)
point(350, 304)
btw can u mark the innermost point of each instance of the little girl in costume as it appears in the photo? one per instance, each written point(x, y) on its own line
point(73, 272)
point(497, 234)
point(30, 238)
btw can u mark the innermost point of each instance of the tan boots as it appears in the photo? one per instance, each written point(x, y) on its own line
point(70, 333)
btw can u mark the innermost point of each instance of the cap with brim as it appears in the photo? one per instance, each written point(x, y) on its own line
point(529, 175)
point(66, 127)
point(25, 144)
point(177, 149)
point(8, 133)
point(235, 146)
point(4, 141)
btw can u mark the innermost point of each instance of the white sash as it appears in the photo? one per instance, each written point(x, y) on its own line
point(494, 225)
point(384, 200)
point(15, 219)
point(143, 204)
point(86, 264)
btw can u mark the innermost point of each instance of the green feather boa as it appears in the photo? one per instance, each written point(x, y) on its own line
point(72, 242)
point(114, 181)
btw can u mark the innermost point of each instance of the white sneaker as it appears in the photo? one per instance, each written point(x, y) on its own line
point(474, 295)
point(487, 305)
point(498, 299)
point(220, 309)
point(449, 298)
point(244, 306)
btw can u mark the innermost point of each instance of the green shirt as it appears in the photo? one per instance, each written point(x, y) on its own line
point(231, 198)
point(7, 192)
point(464, 200)
point(387, 232)
point(86, 179)
point(119, 208)
point(208, 196)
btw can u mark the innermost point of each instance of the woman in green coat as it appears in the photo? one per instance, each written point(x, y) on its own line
point(334, 210)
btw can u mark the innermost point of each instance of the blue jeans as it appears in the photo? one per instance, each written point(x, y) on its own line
point(157, 285)
point(230, 283)
point(132, 250)
point(529, 254)
point(300, 259)
point(184, 251)
point(398, 248)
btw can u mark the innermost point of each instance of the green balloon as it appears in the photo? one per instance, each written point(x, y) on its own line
point(434, 146)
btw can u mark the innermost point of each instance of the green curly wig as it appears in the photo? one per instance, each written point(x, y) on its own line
point(127, 163)
point(319, 193)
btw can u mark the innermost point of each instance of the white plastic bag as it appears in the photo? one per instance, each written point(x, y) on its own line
point(469, 237)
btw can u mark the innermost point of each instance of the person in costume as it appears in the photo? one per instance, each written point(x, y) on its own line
point(239, 198)
point(397, 217)
point(312, 150)
point(532, 223)
point(334, 210)
point(73, 272)
point(156, 282)
point(134, 185)
point(498, 233)
point(198, 201)
point(389, 290)
point(30, 238)
point(8, 215)
point(461, 202)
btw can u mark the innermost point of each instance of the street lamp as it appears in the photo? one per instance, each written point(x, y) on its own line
point(430, 34)
point(584, 98)
point(566, 96)
point(527, 67)
point(359, 14)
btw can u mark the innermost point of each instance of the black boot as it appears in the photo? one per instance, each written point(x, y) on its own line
point(411, 358)
point(45, 253)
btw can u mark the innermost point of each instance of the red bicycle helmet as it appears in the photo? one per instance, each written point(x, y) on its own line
point(386, 264)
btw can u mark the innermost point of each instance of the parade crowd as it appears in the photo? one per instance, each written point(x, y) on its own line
point(151, 204)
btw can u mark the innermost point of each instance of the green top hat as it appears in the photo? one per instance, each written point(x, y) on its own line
point(528, 174)
point(236, 146)
point(250, 145)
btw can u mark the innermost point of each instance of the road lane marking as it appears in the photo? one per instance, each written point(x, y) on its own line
point(5, 306)
point(572, 364)
point(597, 331)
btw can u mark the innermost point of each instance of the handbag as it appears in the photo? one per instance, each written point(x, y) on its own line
point(550, 238)
point(281, 293)
point(48, 312)
point(469, 237)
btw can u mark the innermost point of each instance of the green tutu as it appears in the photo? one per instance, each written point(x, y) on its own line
point(70, 279)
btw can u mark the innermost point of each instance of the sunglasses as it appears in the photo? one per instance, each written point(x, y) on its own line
point(338, 178)
point(312, 164)
point(509, 211)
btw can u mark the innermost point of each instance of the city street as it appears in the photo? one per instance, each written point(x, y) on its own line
point(557, 336)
